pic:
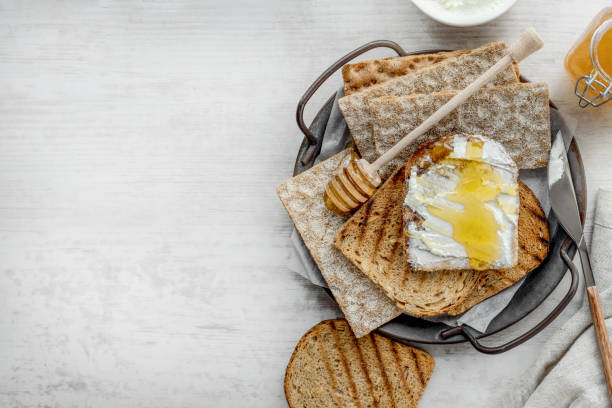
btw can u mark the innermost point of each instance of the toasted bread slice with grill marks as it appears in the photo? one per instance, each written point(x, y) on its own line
point(373, 239)
point(330, 367)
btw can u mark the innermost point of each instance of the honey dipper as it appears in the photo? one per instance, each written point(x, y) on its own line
point(357, 180)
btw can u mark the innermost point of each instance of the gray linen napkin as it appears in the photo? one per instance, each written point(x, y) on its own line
point(568, 372)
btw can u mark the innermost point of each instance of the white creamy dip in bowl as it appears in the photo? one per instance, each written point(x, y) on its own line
point(464, 13)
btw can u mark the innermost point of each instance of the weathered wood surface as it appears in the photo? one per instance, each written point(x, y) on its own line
point(142, 248)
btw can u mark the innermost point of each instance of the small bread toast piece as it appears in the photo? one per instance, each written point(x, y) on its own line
point(331, 368)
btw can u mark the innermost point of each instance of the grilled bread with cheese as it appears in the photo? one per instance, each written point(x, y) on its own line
point(461, 207)
point(373, 239)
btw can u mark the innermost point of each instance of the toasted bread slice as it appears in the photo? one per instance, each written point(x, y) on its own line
point(450, 74)
point(373, 240)
point(364, 305)
point(332, 368)
point(517, 116)
point(363, 74)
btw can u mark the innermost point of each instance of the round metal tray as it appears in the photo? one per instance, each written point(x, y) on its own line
point(539, 284)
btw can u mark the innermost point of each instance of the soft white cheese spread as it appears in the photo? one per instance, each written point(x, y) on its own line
point(432, 188)
point(556, 165)
point(451, 4)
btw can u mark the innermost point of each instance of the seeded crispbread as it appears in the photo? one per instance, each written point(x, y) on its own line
point(364, 305)
point(367, 73)
point(331, 368)
point(517, 116)
point(450, 74)
point(373, 239)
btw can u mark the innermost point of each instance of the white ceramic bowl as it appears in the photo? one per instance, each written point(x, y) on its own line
point(464, 16)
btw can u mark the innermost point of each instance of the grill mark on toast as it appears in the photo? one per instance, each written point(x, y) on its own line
point(352, 385)
point(382, 369)
point(364, 222)
point(416, 366)
point(398, 365)
point(534, 255)
point(398, 175)
point(394, 248)
point(330, 374)
point(534, 211)
point(363, 365)
point(381, 234)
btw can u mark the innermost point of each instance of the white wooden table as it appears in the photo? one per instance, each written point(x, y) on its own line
point(142, 247)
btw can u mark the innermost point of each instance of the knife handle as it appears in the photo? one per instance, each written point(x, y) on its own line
point(602, 335)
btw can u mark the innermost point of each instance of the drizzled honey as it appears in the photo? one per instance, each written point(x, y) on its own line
point(474, 225)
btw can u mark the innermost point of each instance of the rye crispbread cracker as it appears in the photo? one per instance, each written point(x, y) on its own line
point(364, 305)
point(331, 368)
point(517, 116)
point(373, 239)
point(367, 73)
point(453, 73)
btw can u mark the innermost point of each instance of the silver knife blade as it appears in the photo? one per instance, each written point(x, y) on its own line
point(563, 202)
point(561, 190)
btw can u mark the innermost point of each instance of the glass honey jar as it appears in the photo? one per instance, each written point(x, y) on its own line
point(589, 61)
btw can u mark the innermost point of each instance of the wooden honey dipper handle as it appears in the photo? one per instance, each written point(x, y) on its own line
point(528, 43)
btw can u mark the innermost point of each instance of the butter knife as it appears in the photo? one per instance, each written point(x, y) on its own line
point(564, 204)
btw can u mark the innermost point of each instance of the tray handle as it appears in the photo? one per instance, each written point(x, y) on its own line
point(312, 141)
point(471, 334)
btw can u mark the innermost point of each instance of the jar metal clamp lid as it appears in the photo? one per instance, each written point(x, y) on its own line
point(595, 89)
